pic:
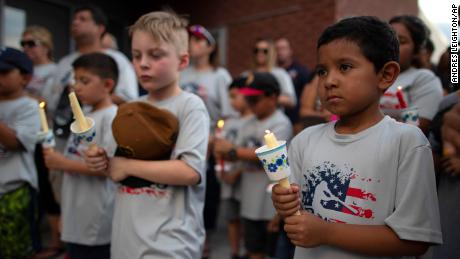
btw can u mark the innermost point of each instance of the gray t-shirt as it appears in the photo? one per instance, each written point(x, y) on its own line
point(231, 131)
point(256, 203)
point(166, 221)
point(421, 88)
point(18, 167)
point(126, 86)
point(88, 201)
point(212, 87)
point(42, 81)
point(383, 175)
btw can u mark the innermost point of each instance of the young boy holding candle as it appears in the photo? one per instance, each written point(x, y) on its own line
point(230, 177)
point(88, 196)
point(261, 91)
point(163, 219)
point(19, 125)
point(365, 184)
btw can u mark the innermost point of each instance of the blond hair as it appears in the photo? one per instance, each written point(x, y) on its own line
point(271, 55)
point(167, 27)
point(42, 35)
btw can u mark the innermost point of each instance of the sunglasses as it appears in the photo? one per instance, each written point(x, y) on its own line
point(29, 43)
point(257, 50)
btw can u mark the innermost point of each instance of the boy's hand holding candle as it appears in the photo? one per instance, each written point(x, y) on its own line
point(273, 156)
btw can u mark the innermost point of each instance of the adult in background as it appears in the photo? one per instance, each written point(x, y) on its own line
point(264, 60)
point(298, 73)
point(88, 25)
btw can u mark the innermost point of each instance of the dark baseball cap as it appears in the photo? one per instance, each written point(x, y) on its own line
point(11, 58)
point(259, 83)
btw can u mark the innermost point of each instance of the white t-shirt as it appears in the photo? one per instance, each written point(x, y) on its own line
point(41, 83)
point(166, 221)
point(17, 167)
point(383, 175)
point(212, 87)
point(88, 201)
point(421, 88)
point(126, 86)
point(256, 203)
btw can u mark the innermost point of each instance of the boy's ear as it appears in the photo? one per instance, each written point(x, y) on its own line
point(109, 84)
point(26, 79)
point(184, 60)
point(388, 74)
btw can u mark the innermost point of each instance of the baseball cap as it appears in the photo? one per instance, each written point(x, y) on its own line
point(259, 83)
point(11, 58)
point(201, 32)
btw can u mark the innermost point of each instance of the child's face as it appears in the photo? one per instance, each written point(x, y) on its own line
point(199, 47)
point(90, 88)
point(157, 64)
point(237, 100)
point(262, 106)
point(12, 82)
point(348, 83)
point(406, 45)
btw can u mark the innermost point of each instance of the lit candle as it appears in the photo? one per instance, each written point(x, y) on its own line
point(43, 120)
point(77, 112)
point(399, 94)
point(270, 139)
point(219, 134)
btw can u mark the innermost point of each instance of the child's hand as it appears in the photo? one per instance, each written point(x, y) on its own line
point(117, 169)
point(96, 159)
point(451, 165)
point(286, 201)
point(222, 147)
point(53, 159)
point(306, 230)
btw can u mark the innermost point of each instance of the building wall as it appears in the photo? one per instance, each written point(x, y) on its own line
point(300, 21)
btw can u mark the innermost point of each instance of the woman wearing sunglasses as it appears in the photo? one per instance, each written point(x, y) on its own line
point(37, 43)
point(264, 60)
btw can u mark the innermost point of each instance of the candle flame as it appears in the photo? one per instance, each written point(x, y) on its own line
point(220, 124)
point(399, 88)
point(267, 132)
point(42, 105)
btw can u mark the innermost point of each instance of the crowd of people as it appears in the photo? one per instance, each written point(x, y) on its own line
point(168, 157)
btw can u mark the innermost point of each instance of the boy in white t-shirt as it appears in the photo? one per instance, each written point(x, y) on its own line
point(88, 196)
point(366, 182)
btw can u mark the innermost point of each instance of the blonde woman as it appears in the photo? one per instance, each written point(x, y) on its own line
point(37, 43)
point(264, 60)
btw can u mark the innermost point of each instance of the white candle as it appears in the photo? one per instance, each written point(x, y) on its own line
point(43, 121)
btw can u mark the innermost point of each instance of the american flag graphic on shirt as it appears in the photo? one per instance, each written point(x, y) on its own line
point(329, 192)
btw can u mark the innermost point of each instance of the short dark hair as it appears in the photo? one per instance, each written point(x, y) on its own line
point(99, 64)
point(375, 38)
point(98, 15)
point(417, 29)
